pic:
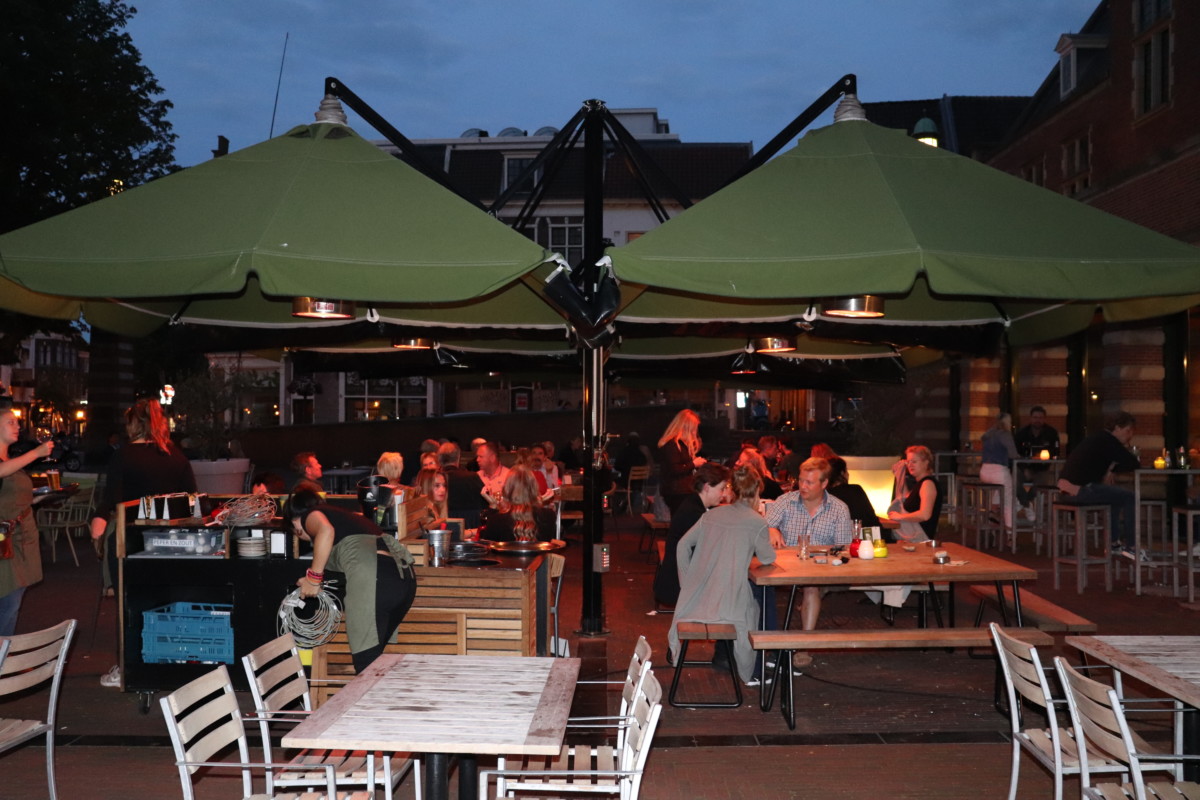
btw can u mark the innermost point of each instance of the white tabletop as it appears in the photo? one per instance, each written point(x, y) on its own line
point(447, 704)
point(1168, 663)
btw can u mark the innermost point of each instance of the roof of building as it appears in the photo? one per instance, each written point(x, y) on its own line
point(969, 125)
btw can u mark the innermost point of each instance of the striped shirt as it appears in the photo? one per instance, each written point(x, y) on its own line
point(829, 526)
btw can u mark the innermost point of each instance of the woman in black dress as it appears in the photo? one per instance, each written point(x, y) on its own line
point(678, 457)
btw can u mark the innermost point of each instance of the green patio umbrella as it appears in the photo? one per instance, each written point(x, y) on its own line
point(858, 209)
point(316, 212)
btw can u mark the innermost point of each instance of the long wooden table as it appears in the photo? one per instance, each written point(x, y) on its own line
point(1170, 664)
point(439, 705)
point(900, 567)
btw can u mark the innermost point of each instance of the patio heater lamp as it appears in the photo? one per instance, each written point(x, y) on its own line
point(773, 344)
point(861, 307)
point(316, 308)
point(926, 132)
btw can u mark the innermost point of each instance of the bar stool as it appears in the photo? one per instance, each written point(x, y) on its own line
point(1043, 499)
point(1076, 520)
point(715, 631)
point(949, 482)
point(1191, 563)
point(1155, 549)
point(982, 514)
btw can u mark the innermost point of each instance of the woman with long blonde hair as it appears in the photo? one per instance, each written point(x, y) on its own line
point(678, 457)
point(430, 506)
point(517, 516)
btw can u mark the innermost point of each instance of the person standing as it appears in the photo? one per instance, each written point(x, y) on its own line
point(999, 450)
point(713, 559)
point(150, 464)
point(376, 570)
point(678, 457)
point(20, 550)
point(1088, 477)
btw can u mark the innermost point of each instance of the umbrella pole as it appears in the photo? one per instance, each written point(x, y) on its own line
point(596, 481)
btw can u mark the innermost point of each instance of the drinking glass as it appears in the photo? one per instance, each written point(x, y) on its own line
point(804, 540)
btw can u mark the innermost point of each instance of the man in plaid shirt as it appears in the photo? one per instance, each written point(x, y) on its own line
point(809, 509)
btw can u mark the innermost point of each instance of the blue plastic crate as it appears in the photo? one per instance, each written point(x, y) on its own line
point(188, 632)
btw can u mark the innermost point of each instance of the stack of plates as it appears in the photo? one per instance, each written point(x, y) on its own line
point(252, 547)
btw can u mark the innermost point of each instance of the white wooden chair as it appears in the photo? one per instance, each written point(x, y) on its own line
point(204, 720)
point(1025, 678)
point(635, 675)
point(1098, 715)
point(578, 769)
point(31, 659)
point(280, 691)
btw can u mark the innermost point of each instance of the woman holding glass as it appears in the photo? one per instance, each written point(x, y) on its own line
point(678, 457)
point(20, 553)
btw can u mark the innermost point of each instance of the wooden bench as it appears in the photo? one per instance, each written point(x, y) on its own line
point(653, 528)
point(788, 642)
point(1037, 610)
point(704, 631)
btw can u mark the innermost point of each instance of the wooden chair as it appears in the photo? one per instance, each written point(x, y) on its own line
point(31, 659)
point(73, 516)
point(578, 769)
point(280, 691)
point(571, 493)
point(637, 475)
point(203, 720)
point(556, 566)
point(1098, 715)
point(1025, 679)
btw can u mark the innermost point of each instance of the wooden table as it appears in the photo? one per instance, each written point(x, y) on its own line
point(1170, 664)
point(438, 705)
point(900, 567)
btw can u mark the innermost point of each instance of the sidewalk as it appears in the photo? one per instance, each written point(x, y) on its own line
point(870, 723)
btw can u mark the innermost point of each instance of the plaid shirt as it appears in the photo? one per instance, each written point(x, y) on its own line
point(829, 526)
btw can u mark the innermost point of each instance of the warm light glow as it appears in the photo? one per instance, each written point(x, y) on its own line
point(80, 414)
point(1044, 455)
point(412, 344)
point(874, 474)
point(315, 308)
point(862, 306)
point(929, 140)
point(17, 413)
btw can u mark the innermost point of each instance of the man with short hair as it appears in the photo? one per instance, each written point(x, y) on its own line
point(473, 462)
point(768, 448)
point(537, 463)
point(1088, 476)
point(464, 486)
point(810, 509)
point(492, 473)
point(1037, 435)
point(307, 468)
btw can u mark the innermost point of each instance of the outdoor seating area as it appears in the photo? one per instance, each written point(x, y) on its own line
point(894, 695)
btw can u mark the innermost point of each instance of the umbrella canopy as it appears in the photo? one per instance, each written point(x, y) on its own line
point(316, 212)
point(857, 209)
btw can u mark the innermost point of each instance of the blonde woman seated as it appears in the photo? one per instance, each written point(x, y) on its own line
point(713, 558)
point(390, 465)
point(429, 507)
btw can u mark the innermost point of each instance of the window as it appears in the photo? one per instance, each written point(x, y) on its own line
point(383, 398)
point(514, 166)
point(1034, 172)
point(1066, 72)
point(1152, 71)
point(1076, 165)
point(563, 235)
point(1148, 12)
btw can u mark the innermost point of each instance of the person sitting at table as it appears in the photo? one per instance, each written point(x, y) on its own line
point(999, 450)
point(267, 483)
point(771, 489)
point(429, 507)
point(853, 495)
point(713, 559)
point(1036, 436)
point(711, 487)
point(1088, 477)
point(466, 490)
point(812, 510)
point(308, 468)
point(492, 473)
point(917, 509)
point(372, 568)
point(391, 466)
point(519, 514)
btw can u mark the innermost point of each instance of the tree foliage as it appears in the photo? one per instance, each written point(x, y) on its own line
point(83, 112)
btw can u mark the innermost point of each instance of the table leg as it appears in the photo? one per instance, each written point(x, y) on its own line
point(437, 776)
point(1191, 742)
point(1016, 593)
point(468, 778)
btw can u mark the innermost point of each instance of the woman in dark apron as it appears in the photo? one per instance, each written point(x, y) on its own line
point(375, 570)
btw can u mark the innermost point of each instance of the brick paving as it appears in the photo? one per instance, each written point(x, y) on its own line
point(870, 724)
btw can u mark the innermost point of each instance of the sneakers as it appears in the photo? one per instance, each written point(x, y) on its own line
point(753, 682)
point(1195, 551)
point(1128, 552)
point(111, 679)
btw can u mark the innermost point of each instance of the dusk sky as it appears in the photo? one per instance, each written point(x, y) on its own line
point(718, 70)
